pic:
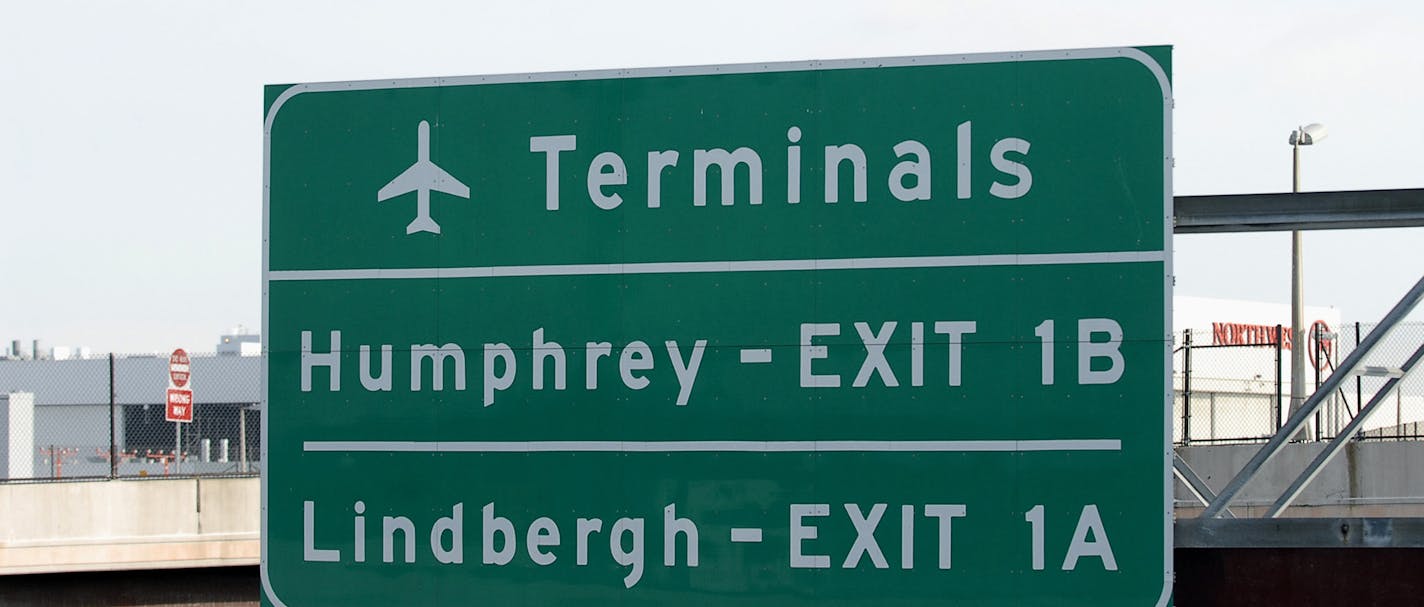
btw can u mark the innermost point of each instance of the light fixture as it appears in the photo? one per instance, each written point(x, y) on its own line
point(1308, 134)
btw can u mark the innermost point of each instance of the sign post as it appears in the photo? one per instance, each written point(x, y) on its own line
point(854, 331)
point(179, 407)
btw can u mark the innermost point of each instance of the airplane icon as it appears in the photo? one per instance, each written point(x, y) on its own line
point(421, 178)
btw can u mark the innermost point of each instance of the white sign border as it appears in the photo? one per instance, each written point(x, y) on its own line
point(1134, 54)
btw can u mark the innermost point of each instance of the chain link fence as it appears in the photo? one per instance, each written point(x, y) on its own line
point(107, 418)
point(1232, 383)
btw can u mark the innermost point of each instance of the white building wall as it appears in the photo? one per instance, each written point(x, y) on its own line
point(17, 435)
point(1234, 390)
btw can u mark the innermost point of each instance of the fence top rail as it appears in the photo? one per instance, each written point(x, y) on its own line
point(1266, 344)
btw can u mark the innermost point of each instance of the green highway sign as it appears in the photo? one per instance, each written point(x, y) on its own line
point(848, 332)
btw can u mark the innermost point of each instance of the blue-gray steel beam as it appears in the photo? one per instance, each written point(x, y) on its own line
point(1349, 431)
point(1299, 533)
point(1298, 418)
point(1305, 211)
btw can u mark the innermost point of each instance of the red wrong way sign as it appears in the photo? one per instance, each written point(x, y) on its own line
point(178, 368)
point(180, 405)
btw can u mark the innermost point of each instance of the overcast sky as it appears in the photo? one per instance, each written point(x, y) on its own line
point(131, 132)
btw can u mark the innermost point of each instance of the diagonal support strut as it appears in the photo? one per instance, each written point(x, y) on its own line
point(1333, 449)
point(1194, 482)
point(1307, 409)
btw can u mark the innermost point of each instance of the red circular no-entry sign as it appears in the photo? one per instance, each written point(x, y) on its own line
point(178, 368)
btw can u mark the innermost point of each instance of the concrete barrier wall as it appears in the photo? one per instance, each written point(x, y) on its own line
point(129, 524)
point(1366, 479)
point(185, 523)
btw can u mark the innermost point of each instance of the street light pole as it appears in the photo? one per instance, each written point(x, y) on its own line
point(1297, 340)
point(1306, 135)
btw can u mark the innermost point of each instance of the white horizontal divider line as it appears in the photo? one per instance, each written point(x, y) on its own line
point(725, 446)
point(694, 267)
